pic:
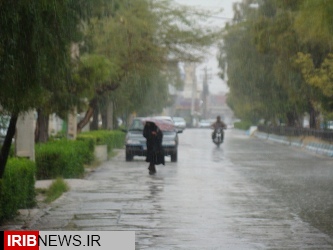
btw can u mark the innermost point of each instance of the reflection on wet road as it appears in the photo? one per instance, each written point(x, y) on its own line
point(218, 154)
point(247, 194)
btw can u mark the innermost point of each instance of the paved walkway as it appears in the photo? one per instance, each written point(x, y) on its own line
point(247, 194)
point(26, 218)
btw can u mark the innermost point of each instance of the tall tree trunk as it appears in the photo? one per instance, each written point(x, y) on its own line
point(94, 123)
point(88, 115)
point(292, 119)
point(104, 119)
point(42, 127)
point(313, 116)
point(7, 143)
point(94, 103)
point(107, 116)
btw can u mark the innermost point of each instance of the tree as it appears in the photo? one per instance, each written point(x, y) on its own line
point(34, 52)
point(314, 26)
point(294, 37)
point(58, 30)
point(143, 39)
point(277, 30)
point(274, 35)
point(255, 93)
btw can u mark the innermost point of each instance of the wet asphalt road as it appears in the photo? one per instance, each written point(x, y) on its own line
point(247, 194)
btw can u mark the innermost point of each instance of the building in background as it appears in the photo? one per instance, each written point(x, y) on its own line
point(196, 102)
point(188, 100)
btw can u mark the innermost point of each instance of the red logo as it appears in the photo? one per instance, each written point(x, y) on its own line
point(18, 240)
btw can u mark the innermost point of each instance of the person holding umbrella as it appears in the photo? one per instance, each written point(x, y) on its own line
point(154, 137)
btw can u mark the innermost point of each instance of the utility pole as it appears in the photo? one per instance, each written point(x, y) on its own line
point(205, 93)
point(193, 96)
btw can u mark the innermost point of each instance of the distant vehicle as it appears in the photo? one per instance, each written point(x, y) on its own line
point(219, 136)
point(136, 144)
point(180, 123)
point(205, 123)
point(167, 118)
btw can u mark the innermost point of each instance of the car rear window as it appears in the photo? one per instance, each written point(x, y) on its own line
point(136, 125)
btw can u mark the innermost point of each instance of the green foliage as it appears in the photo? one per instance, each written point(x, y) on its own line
point(35, 38)
point(143, 95)
point(92, 73)
point(12, 151)
point(57, 188)
point(127, 40)
point(320, 78)
point(144, 41)
point(254, 93)
point(278, 60)
point(314, 24)
point(17, 187)
point(35, 60)
point(66, 158)
point(111, 138)
point(184, 32)
point(63, 158)
point(244, 125)
point(89, 140)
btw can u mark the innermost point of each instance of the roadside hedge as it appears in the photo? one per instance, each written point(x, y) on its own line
point(62, 158)
point(58, 158)
point(17, 187)
point(244, 125)
point(111, 138)
point(66, 158)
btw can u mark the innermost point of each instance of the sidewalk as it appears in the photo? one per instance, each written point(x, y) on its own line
point(26, 218)
point(311, 144)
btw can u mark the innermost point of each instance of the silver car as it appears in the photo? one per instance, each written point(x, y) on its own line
point(179, 122)
point(136, 144)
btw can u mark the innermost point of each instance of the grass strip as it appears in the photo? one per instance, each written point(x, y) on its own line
point(56, 189)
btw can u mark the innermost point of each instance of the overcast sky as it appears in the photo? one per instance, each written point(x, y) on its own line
point(216, 84)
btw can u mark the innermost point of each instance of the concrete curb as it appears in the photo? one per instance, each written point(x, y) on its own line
point(321, 148)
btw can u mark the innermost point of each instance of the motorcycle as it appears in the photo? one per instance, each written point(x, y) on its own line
point(218, 136)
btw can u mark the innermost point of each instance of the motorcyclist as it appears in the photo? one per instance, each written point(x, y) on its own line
point(218, 124)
